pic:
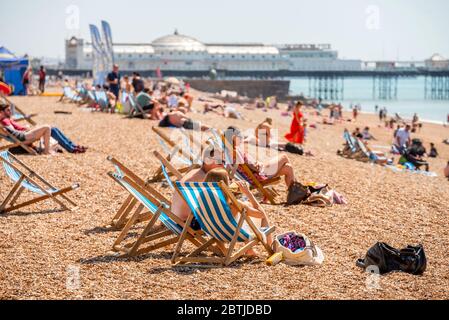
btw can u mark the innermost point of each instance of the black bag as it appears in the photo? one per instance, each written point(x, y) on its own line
point(292, 148)
point(297, 193)
point(410, 259)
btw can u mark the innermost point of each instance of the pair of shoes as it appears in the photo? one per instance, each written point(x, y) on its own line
point(80, 149)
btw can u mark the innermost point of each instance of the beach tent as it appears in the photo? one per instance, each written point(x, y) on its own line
point(13, 69)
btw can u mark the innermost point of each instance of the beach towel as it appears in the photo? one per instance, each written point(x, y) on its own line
point(402, 168)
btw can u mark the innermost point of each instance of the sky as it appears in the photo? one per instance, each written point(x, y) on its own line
point(358, 29)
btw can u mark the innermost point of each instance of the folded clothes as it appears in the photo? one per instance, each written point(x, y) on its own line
point(293, 242)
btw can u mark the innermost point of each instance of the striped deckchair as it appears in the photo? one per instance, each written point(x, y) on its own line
point(17, 113)
point(70, 95)
point(180, 153)
point(142, 196)
point(351, 149)
point(102, 99)
point(233, 159)
point(209, 203)
point(367, 154)
point(136, 109)
point(13, 142)
point(25, 178)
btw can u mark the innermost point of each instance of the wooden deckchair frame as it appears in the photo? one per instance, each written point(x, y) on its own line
point(13, 142)
point(71, 100)
point(136, 108)
point(148, 240)
point(9, 203)
point(157, 175)
point(16, 108)
point(229, 255)
point(261, 186)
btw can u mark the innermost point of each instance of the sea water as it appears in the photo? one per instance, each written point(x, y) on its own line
point(410, 98)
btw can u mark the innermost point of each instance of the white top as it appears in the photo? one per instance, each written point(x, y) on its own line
point(403, 136)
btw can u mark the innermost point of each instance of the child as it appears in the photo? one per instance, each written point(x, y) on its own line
point(433, 151)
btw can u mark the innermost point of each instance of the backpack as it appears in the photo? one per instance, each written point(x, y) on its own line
point(410, 259)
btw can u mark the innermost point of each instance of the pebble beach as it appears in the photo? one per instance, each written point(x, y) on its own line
point(41, 249)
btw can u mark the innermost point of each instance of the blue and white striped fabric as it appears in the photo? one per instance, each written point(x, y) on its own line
point(350, 141)
point(125, 97)
point(18, 116)
point(167, 177)
point(91, 95)
point(211, 210)
point(68, 93)
point(14, 175)
point(102, 99)
point(132, 102)
point(169, 223)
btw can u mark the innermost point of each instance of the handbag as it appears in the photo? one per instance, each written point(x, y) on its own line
point(320, 197)
point(411, 259)
point(296, 194)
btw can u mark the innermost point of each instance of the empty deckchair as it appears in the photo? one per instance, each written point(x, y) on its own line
point(13, 142)
point(210, 207)
point(70, 95)
point(136, 109)
point(25, 178)
point(158, 209)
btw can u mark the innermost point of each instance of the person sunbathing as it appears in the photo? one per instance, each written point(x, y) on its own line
point(415, 155)
point(366, 134)
point(211, 160)
point(252, 206)
point(178, 119)
point(148, 103)
point(213, 108)
point(276, 167)
point(263, 133)
point(30, 135)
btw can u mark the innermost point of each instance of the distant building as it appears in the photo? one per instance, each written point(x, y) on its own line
point(437, 61)
point(178, 52)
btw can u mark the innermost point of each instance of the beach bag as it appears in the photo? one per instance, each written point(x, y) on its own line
point(311, 255)
point(292, 148)
point(410, 259)
point(323, 197)
point(297, 193)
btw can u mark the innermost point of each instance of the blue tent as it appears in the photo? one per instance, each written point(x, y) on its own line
point(13, 69)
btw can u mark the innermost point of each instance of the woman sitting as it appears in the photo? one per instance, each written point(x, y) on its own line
point(30, 135)
point(276, 167)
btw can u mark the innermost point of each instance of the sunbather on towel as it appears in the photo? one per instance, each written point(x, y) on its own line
point(30, 135)
point(178, 119)
point(252, 206)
